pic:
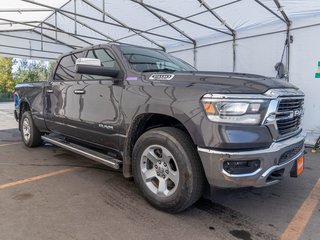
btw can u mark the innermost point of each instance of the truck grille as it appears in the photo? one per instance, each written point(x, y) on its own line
point(290, 111)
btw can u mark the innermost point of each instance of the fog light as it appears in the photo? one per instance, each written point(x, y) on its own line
point(241, 167)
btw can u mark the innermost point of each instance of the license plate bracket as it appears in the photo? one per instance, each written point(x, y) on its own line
point(298, 167)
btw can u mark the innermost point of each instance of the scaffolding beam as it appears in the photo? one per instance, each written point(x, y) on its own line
point(76, 36)
point(179, 20)
point(32, 39)
point(269, 10)
point(283, 13)
point(89, 27)
point(161, 18)
point(288, 40)
point(222, 21)
point(182, 18)
point(49, 37)
point(121, 23)
point(27, 56)
point(99, 20)
point(28, 49)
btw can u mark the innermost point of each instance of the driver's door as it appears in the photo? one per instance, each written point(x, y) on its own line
point(97, 112)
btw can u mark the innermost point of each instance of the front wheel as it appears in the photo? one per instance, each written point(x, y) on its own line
point(167, 169)
point(31, 136)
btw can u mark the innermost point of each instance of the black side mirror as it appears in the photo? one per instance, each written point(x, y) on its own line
point(93, 66)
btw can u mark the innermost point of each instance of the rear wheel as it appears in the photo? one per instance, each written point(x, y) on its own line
point(167, 169)
point(31, 136)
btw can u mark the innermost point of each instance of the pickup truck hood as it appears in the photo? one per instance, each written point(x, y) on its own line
point(220, 82)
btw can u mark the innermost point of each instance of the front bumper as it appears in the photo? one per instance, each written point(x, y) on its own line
point(271, 160)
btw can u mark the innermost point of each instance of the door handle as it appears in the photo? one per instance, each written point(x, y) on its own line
point(79, 91)
point(49, 91)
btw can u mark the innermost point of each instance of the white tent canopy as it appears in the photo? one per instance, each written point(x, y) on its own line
point(45, 28)
point(224, 35)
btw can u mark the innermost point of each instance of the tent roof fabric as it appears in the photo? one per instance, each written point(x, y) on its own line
point(44, 28)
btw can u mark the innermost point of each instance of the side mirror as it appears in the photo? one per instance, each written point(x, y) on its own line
point(92, 66)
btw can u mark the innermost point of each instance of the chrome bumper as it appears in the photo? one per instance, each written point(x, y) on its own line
point(212, 161)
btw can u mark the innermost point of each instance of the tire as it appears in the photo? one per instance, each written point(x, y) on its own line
point(31, 136)
point(167, 169)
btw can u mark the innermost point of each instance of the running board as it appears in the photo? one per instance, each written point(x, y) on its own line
point(86, 152)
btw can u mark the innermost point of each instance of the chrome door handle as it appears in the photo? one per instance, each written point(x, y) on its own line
point(79, 91)
point(49, 91)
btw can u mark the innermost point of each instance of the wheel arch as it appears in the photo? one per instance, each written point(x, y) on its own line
point(24, 105)
point(142, 123)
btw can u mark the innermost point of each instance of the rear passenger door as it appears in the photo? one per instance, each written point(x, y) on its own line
point(59, 98)
point(98, 115)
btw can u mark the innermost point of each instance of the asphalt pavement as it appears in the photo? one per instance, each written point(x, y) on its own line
point(50, 193)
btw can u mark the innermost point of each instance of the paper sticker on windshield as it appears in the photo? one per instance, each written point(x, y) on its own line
point(161, 77)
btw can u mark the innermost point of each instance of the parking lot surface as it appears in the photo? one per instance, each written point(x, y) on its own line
point(50, 193)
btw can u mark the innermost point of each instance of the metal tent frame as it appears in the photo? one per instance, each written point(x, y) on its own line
point(51, 32)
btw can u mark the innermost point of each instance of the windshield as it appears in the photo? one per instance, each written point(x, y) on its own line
point(149, 60)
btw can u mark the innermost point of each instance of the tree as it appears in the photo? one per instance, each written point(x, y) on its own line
point(51, 66)
point(6, 79)
point(30, 71)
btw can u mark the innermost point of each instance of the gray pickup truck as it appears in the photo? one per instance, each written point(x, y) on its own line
point(159, 120)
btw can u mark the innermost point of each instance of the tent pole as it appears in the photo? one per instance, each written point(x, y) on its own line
point(99, 20)
point(29, 49)
point(234, 52)
point(122, 24)
point(32, 39)
point(288, 51)
point(75, 16)
point(55, 24)
point(53, 28)
point(272, 12)
point(103, 10)
point(180, 19)
point(58, 41)
point(42, 36)
point(195, 56)
point(224, 23)
point(288, 22)
point(161, 18)
point(71, 35)
point(87, 26)
point(26, 56)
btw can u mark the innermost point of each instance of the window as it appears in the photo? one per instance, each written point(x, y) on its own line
point(149, 60)
point(107, 60)
point(66, 68)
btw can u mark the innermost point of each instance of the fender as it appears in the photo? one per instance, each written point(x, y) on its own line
point(140, 116)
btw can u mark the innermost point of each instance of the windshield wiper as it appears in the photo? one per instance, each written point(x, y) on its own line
point(159, 70)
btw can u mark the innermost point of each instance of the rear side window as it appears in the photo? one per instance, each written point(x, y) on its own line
point(107, 60)
point(66, 68)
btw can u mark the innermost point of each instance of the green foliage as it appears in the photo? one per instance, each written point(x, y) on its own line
point(51, 66)
point(6, 79)
point(31, 71)
point(13, 71)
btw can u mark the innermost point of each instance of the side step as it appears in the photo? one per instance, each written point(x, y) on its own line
point(86, 152)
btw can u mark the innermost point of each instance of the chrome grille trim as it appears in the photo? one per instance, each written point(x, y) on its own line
point(285, 112)
point(289, 114)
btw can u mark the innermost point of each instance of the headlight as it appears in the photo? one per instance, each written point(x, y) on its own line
point(241, 111)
